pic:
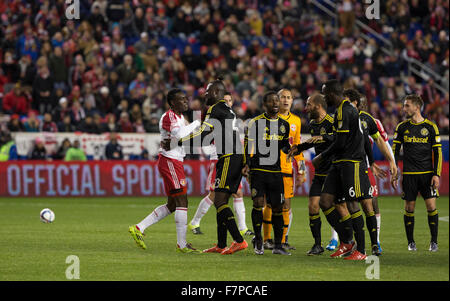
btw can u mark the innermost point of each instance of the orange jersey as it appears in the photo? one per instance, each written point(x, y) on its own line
point(295, 126)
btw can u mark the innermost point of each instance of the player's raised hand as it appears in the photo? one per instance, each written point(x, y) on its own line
point(378, 171)
point(435, 182)
point(314, 139)
point(292, 152)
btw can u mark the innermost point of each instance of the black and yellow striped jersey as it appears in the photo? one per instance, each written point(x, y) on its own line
point(369, 123)
point(221, 121)
point(264, 139)
point(422, 148)
point(348, 145)
point(370, 128)
point(322, 128)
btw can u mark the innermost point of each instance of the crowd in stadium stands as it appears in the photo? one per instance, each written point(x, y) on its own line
point(109, 71)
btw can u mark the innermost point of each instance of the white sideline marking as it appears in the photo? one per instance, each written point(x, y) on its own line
point(444, 219)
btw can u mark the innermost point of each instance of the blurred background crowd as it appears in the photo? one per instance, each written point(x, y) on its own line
point(109, 71)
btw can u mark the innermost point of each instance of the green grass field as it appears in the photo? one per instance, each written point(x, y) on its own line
point(96, 230)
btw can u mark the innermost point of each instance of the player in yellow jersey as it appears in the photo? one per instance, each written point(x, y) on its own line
point(295, 124)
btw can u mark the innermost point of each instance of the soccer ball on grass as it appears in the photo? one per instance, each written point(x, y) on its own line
point(47, 216)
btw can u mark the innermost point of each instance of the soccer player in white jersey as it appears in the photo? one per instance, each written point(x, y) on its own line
point(207, 201)
point(170, 166)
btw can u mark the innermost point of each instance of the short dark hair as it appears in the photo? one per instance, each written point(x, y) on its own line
point(219, 82)
point(415, 99)
point(266, 96)
point(352, 95)
point(319, 99)
point(334, 86)
point(227, 93)
point(171, 95)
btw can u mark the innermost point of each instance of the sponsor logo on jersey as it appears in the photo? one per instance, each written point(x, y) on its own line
point(415, 139)
point(323, 131)
point(272, 137)
point(424, 132)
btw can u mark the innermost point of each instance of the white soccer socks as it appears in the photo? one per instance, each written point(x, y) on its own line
point(158, 214)
point(181, 225)
point(202, 208)
point(239, 209)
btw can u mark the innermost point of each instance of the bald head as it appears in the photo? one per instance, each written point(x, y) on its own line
point(319, 99)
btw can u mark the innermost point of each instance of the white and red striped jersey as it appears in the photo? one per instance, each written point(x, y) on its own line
point(173, 125)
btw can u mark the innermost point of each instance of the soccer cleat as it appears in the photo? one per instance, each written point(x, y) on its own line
point(197, 231)
point(258, 246)
point(356, 255)
point(246, 232)
point(287, 246)
point(379, 247)
point(188, 249)
point(280, 251)
point(194, 229)
point(376, 250)
point(433, 247)
point(235, 247)
point(268, 244)
point(138, 236)
point(214, 249)
point(315, 250)
point(412, 246)
point(332, 245)
point(343, 250)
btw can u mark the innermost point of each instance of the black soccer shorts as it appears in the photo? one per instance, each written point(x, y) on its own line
point(269, 184)
point(348, 181)
point(316, 185)
point(413, 184)
point(228, 173)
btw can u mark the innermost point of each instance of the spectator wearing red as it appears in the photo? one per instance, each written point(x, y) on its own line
point(48, 125)
point(16, 102)
point(75, 95)
point(125, 125)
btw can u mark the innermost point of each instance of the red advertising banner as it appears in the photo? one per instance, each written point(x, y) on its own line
point(126, 178)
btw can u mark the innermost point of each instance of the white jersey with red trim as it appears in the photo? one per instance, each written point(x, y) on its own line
point(384, 135)
point(382, 130)
point(173, 125)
